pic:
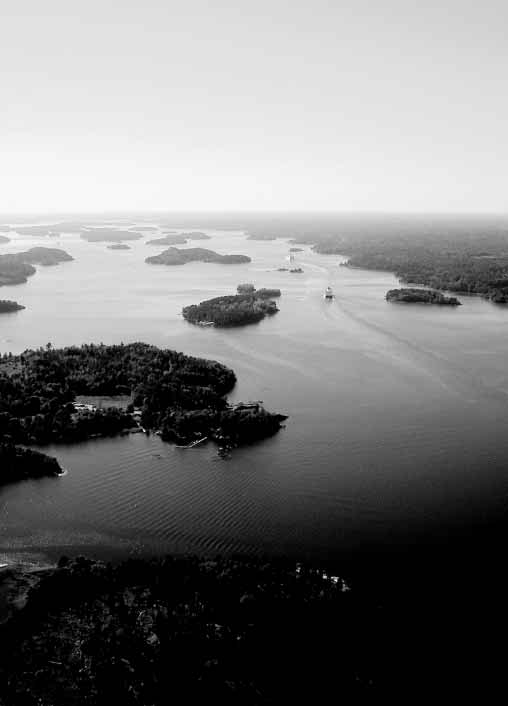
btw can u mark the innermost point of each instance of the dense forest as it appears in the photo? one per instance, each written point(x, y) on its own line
point(233, 310)
point(420, 296)
point(180, 396)
point(226, 631)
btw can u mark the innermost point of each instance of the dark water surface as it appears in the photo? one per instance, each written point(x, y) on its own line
point(397, 429)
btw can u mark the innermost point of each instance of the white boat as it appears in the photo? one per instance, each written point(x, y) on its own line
point(328, 293)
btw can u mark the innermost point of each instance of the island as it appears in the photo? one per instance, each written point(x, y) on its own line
point(297, 270)
point(168, 239)
point(108, 235)
point(4, 239)
point(17, 463)
point(15, 268)
point(119, 246)
point(175, 256)
point(43, 256)
point(180, 397)
point(233, 310)
point(420, 296)
point(7, 306)
point(295, 249)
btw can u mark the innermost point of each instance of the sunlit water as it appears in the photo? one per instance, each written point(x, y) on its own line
point(397, 429)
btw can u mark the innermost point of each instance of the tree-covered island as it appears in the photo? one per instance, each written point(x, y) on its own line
point(6, 306)
point(247, 307)
point(180, 397)
point(108, 235)
point(420, 296)
point(118, 246)
point(176, 256)
point(15, 268)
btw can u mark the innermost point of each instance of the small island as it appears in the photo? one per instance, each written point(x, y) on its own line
point(4, 239)
point(118, 246)
point(175, 256)
point(7, 306)
point(420, 296)
point(108, 235)
point(247, 307)
point(295, 249)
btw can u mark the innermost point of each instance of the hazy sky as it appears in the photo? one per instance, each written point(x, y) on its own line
point(253, 105)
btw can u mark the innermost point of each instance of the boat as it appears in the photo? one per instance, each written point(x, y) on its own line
point(328, 293)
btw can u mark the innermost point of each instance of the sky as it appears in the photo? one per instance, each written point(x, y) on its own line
point(256, 106)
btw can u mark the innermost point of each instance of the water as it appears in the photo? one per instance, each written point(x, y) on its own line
point(397, 414)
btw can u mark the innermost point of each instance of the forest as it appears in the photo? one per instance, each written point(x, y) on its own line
point(228, 631)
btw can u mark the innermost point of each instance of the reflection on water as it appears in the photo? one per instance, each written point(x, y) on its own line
point(397, 413)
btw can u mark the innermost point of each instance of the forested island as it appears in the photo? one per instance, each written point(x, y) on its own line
point(420, 296)
point(168, 239)
point(15, 268)
point(6, 306)
point(108, 235)
point(247, 307)
point(180, 397)
point(175, 256)
point(118, 246)
point(455, 253)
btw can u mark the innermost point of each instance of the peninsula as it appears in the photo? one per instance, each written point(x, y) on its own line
point(175, 256)
point(261, 236)
point(17, 463)
point(420, 296)
point(7, 306)
point(179, 396)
